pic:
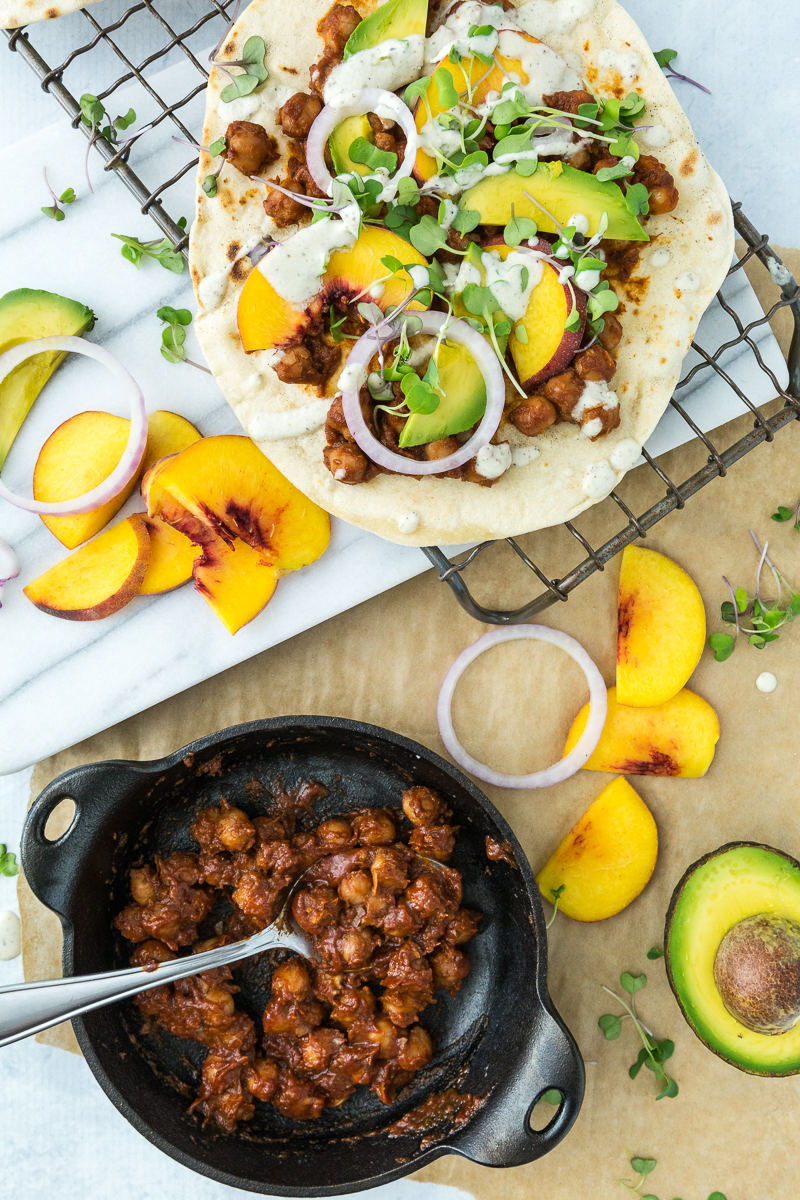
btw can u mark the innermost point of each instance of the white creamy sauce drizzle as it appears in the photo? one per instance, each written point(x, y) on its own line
point(212, 288)
point(493, 461)
point(659, 257)
point(766, 682)
point(294, 268)
point(625, 63)
point(389, 65)
point(595, 395)
point(504, 280)
point(655, 135)
point(10, 937)
point(453, 185)
point(599, 480)
point(540, 17)
point(419, 275)
point(408, 523)
point(687, 282)
point(580, 222)
point(296, 422)
point(352, 378)
point(586, 280)
point(625, 454)
point(376, 291)
point(522, 455)
point(241, 108)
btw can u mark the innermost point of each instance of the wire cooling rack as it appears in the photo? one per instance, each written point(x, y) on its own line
point(114, 43)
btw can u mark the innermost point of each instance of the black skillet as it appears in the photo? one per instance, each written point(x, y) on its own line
point(500, 1036)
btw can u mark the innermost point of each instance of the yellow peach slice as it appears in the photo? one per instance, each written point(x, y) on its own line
point(267, 321)
point(100, 578)
point(481, 83)
point(233, 581)
point(78, 456)
point(674, 738)
point(167, 433)
point(606, 859)
point(661, 628)
point(172, 558)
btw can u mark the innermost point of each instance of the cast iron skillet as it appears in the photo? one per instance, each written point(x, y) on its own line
point(500, 1036)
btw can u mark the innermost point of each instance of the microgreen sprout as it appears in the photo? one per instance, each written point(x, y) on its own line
point(655, 952)
point(53, 211)
point(556, 893)
point(162, 251)
point(209, 184)
point(92, 114)
point(8, 862)
point(788, 514)
point(643, 1167)
point(757, 618)
point(664, 59)
point(174, 336)
point(254, 71)
point(654, 1053)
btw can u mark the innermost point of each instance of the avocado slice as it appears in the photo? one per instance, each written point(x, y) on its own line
point(342, 138)
point(27, 314)
point(394, 19)
point(560, 189)
point(716, 893)
point(462, 404)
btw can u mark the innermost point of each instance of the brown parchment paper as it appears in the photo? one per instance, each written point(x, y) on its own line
point(383, 662)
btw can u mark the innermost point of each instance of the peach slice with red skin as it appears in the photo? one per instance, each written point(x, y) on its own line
point(481, 81)
point(268, 322)
point(251, 525)
point(606, 859)
point(98, 579)
point(661, 628)
point(550, 347)
point(674, 738)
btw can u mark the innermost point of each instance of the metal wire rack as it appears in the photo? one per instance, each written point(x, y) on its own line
point(208, 19)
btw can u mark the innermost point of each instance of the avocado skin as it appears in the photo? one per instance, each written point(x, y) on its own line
point(394, 19)
point(25, 314)
point(744, 1060)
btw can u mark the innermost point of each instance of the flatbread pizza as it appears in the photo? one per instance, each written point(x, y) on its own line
point(14, 13)
point(448, 263)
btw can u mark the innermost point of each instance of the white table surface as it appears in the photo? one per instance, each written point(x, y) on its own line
point(748, 53)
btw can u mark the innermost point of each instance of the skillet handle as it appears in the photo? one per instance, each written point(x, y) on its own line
point(504, 1137)
point(50, 867)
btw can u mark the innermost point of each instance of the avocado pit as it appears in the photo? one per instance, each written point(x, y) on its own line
point(757, 973)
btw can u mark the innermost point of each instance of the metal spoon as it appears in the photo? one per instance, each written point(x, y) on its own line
point(28, 1008)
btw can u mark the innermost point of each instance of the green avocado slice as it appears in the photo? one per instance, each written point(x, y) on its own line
point(716, 893)
point(463, 399)
point(342, 138)
point(394, 19)
point(27, 314)
point(561, 190)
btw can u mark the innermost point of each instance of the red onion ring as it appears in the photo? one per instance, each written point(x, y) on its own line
point(580, 753)
point(9, 566)
point(370, 100)
point(133, 453)
point(488, 365)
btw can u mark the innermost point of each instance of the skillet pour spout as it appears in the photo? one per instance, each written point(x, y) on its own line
point(500, 1039)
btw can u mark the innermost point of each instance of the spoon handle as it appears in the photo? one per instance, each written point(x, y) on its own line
point(28, 1008)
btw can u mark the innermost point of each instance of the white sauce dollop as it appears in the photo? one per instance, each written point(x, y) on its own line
point(625, 63)
point(493, 461)
point(656, 136)
point(687, 282)
point(504, 280)
point(352, 378)
point(522, 455)
point(294, 268)
point(408, 523)
point(252, 383)
point(599, 480)
point(540, 17)
point(212, 288)
point(241, 108)
point(595, 395)
point(766, 682)
point(295, 422)
point(389, 65)
point(659, 257)
point(580, 221)
point(10, 935)
point(625, 455)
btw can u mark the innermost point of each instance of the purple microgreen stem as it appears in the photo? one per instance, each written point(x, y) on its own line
point(212, 56)
point(729, 586)
point(677, 75)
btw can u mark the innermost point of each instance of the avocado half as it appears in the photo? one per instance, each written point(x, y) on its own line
point(719, 890)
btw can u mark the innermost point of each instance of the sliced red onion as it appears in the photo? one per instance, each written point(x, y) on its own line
point(464, 335)
point(383, 104)
point(9, 566)
point(133, 453)
point(580, 753)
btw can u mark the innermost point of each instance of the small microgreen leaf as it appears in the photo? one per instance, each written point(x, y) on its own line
point(611, 1026)
point(655, 952)
point(665, 57)
point(521, 334)
point(8, 862)
point(465, 220)
point(428, 236)
point(643, 1166)
point(446, 92)
point(363, 151)
point(637, 199)
point(722, 645)
point(163, 252)
point(217, 147)
point(518, 229)
point(417, 89)
point(558, 892)
point(391, 263)
point(242, 85)
point(209, 185)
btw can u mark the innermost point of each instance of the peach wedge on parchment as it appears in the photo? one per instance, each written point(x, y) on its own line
point(661, 628)
point(606, 859)
point(674, 738)
point(98, 579)
point(249, 523)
